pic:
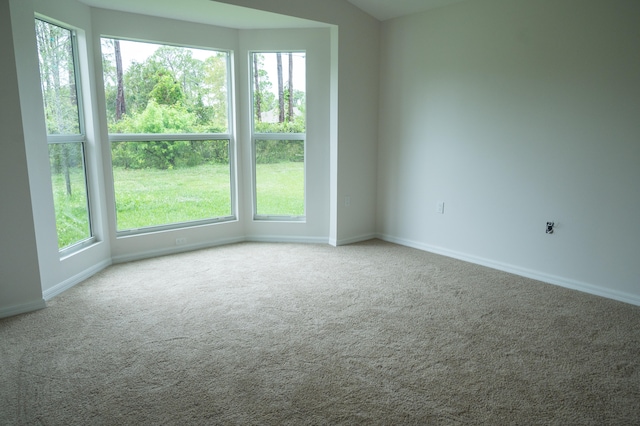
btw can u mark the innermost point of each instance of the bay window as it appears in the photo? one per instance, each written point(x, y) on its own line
point(168, 114)
point(59, 78)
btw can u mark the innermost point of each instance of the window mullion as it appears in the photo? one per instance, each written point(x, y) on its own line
point(280, 136)
point(144, 137)
point(66, 139)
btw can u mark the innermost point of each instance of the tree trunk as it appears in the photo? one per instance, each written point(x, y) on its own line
point(256, 91)
point(57, 63)
point(280, 89)
point(121, 108)
point(65, 161)
point(290, 109)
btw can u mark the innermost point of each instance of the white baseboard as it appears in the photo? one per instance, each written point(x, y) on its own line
point(353, 240)
point(76, 279)
point(174, 250)
point(22, 308)
point(516, 270)
point(192, 247)
point(285, 239)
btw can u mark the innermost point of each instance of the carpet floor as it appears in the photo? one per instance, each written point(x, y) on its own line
point(293, 334)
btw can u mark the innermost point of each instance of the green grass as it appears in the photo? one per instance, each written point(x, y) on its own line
point(152, 197)
point(72, 220)
point(280, 189)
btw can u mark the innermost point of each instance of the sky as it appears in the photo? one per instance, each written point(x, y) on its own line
point(139, 51)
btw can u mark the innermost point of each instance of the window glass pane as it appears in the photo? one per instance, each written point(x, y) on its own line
point(69, 193)
point(57, 77)
point(279, 92)
point(153, 88)
point(279, 178)
point(159, 183)
point(62, 113)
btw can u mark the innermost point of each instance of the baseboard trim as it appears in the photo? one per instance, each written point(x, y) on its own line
point(353, 240)
point(193, 247)
point(282, 239)
point(523, 272)
point(76, 279)
point(22, 308)
point(173, 250)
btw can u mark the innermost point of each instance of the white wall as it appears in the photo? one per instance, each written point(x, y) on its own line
point(149, 28)
point(354, 56)
point(40, 269)
point(20, 288)
point(56, 273)
point(515, 113)
point(316, 42)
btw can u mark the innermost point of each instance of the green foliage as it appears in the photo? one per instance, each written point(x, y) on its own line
point(72, 219)
point(57, 77)
point(165, 155)
point(277, 151)
point(167, 91)
point(280, 189)
point(296, 126)
point(195, 89)
point(157, 118)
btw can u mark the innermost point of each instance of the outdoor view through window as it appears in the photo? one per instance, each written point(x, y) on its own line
point(168, 119)
point(65, 132)
point(279, 134)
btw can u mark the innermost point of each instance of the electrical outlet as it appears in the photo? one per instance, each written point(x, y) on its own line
point(440, 207)
point(347, 200)
point(181, 241)
point(549, 229)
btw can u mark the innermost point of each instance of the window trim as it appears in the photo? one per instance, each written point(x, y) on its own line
point(172, 137)
point(153, 137)
point(73, 138)
point(255, 136)
point(278, 137)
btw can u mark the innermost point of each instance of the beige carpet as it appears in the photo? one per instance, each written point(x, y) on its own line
point(292, 334)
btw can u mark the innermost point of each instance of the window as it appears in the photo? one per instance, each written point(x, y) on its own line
point(168, 113)
point(278, 134)
point(57, 53)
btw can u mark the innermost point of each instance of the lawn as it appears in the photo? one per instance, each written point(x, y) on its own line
point(152, 197)
point(72, 221)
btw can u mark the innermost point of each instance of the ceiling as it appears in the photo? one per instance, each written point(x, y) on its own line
point(388, 9)
point(226, 15)
point(205, 12)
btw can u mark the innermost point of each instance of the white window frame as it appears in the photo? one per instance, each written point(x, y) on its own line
point(152, 137)
point(272, 136)
point(80, 138)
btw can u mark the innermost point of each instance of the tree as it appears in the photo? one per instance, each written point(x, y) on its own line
point(214, 93)
point(256, 91)
point(290, 89)
point(262, 91)
point(167, 91)
point(57, 76)
point(121, 108)
point(280, 88)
